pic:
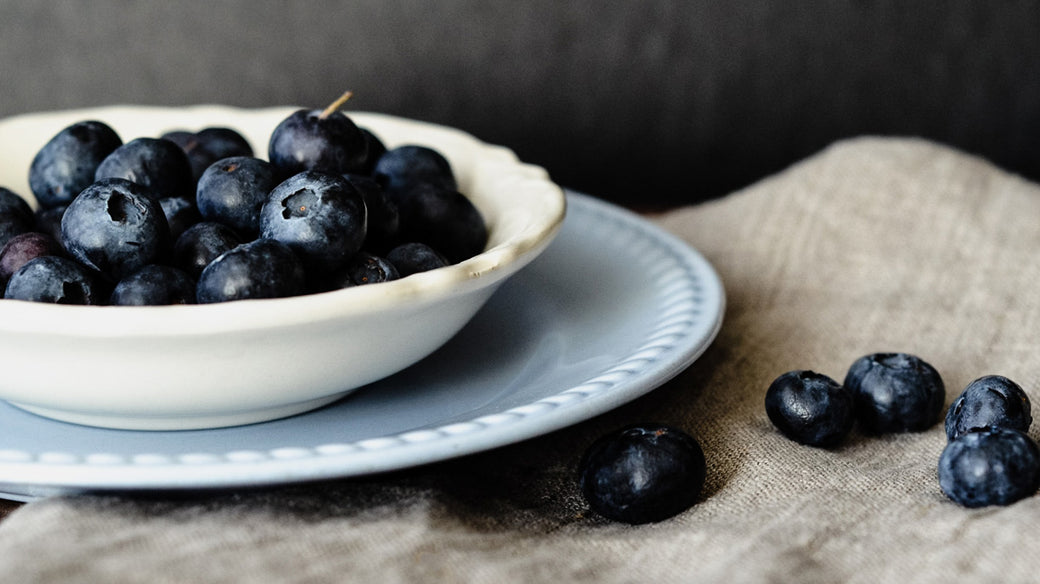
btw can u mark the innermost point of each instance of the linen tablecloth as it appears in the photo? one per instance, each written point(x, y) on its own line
point(874, 244)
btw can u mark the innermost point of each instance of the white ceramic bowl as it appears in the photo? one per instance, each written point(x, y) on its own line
point(205, 366)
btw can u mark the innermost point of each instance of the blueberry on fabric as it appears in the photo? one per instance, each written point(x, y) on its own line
point(321, 217)
point(989, 401)
point(412, 258)
point(322, 140)
point(895, 392)
point(233, 190)
point(56, 280)
point(66, 164)
point(642, 474)
point(263, 268)
point(992, 466)
point(116, 227)
point(202, 243)
point(154, 285)
point(810, 408)
point(156, 163)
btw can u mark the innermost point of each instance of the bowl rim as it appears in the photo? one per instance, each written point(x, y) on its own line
point(545, 211)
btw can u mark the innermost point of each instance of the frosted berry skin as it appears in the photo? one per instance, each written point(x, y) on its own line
point(445, 220)
point(156, 163)
point(895, 392)
point(309, 140)
point(383, 228)
point(116, 227)
point(992, 466)
point(67, 162)
point(180, 214)
point(154, 285)
point(23, 248)
point(642, 473)
point(401, 169)
point(365, 268)
point(375, 149)
point(990, 401)
point(202, 243)
point(56, 280)
point(263, 268)
point(321, 217)
point(16, 216)
point(233, 190)
point(412, 258)
point(810, 408)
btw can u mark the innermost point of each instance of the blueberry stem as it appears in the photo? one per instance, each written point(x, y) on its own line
point(334, 106)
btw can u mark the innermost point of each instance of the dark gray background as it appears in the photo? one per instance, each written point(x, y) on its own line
point(647, 103)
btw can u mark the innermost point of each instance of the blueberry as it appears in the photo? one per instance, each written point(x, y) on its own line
point(23, 248)
point(48, 220)
point(209, 145)
point(180, 214)
point(67, 163)
point(202, 243)
point(989, 401)
point(384, 222)
point(116, 227)
point(154, 285)
point(322, 217)
point(16, 216)
point(810, 408)
point(445, 220)
point(155, 163)
point(412, 258)
point(375, 149)
point(233, 190)
point(992, 466)
point(895, 392)
point(55, 280)
point(365, 268)
point(12, 205)
point(264, 268)
point(321, 140)
point(642, 473)
point(401, 169)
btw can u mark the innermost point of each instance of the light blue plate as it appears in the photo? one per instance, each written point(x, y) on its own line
point(614, 308)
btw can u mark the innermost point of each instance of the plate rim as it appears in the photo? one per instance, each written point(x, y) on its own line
point(27, 476)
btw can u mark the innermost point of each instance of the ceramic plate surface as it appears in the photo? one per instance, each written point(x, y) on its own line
point(613, 308)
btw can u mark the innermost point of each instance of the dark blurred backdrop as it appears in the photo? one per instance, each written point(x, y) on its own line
point(645, 103)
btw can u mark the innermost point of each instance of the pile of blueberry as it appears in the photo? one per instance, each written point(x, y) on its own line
point(884, 392)
point(195, 216)
point(989, 459)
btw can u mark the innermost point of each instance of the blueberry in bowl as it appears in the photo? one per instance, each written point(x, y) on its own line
point(214, 364)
